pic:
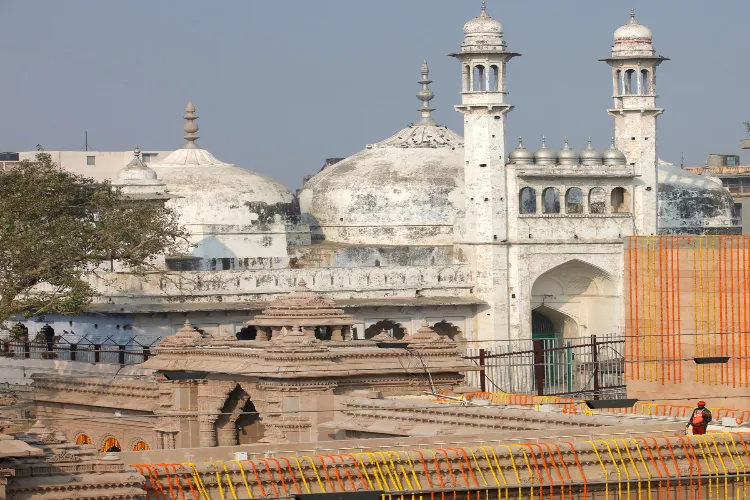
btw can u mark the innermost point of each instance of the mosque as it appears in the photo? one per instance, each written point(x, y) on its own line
point(481, 240)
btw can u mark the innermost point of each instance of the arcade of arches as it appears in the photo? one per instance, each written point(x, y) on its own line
point(572, 300)
point(398, 331)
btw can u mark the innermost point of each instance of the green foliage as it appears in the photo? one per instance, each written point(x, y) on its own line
point(56, 227)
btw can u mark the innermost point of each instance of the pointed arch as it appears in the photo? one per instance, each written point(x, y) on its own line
point(392, 328)
point(447, 329)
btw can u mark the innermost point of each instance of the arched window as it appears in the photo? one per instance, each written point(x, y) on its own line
point(111, 445)
point(620, 201)
point(392, 328)
point(494, 78)
point(247, 333)
point(597, 201)
point(527, 201)
point(141, 446)
point(645, 82)
point(467, 78)
point(551, 201)
point(574, 201)
point(630, 82)
point(447, 329)
point(83, 439)
point(619, 83)
point(479, 75)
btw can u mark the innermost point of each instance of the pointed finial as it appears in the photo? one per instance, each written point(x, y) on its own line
point(426, 95)
point(190, 126)
point(612, 146)
point(137, 152)
point(484, 6)
point(632, 13)
point(520, 142)
point(566, 142)
point(544, 142)
point(589, 140)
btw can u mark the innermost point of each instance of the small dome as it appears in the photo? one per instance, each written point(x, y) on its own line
point(483, 24)
point(136, 170)
point(614, 156)
point(591, 156)
point(545, 156)
point(483, 32)
point(567, 156)
point(521, 155)
point(633, 31)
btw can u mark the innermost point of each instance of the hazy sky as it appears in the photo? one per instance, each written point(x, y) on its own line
point(281, 85)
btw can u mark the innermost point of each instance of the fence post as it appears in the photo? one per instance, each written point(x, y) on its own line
point(97, 352)
point(73, 349)
point(482, 382)
point(539, 366)
point(6, 346)
point(121, 354)
point(27, 350)
point(147, 354)
point(595, 361)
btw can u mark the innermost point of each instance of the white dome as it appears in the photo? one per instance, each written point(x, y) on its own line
point(405, 190)
point(208, 191)
point(483, 33)
point(483, 25)
point(633, 31)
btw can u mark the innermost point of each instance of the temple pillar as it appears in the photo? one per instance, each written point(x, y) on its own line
point(207, 431)
point(211, 397)
point(336, 334)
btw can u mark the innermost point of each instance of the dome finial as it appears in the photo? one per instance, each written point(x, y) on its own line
point(520, 141)
point(632, 13)
point(190, 126)
point(484, 6)
point(137, 152)
point(426, 95)
point(544, 142)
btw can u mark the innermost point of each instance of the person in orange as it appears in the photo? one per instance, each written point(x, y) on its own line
point(699, 419)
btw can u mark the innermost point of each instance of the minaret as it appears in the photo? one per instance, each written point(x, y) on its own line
point(482, 232)
point(633, 62)
point(483, 59)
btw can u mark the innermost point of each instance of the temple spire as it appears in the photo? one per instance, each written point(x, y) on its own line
point(190, 127)
point(426, 95)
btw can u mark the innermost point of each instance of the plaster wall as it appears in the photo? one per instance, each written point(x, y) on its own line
point(108, 163)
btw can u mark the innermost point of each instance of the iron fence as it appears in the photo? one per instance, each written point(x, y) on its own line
point(108, 351)
point(586, 367)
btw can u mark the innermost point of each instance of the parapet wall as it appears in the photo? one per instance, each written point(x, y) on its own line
point(687, 297)
point(632, 468)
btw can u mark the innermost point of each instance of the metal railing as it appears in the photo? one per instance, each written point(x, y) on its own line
point(586, 367)
point(108, 351)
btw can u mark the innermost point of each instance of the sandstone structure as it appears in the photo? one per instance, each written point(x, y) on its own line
point(276, 387)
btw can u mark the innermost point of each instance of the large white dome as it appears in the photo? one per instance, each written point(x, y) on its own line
point(206, 191)
point(405, 190)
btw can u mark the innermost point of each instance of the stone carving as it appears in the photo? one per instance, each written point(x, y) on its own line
point(187, 336)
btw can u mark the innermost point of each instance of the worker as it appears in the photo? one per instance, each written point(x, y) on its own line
point(699, 419)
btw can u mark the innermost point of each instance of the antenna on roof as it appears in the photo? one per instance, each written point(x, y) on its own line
point(86, 146)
